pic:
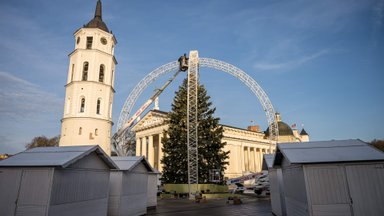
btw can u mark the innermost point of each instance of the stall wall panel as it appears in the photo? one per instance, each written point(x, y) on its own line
point(96, 207)
point(133, 205)
point(115, 190)
point(134, 194)
point(331, 210)
point(275, 193)
point(114, 205)
point(10, 179)
point(31, 210)
point(295, 191)
point(134, 183)
point(115, 183)
point(366, 185)
point(328, 190)
point(152, 190)
point(79, 185)
point(295, 208)
point(35, 190)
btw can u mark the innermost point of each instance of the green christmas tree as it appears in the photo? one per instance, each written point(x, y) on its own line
point(210, 133)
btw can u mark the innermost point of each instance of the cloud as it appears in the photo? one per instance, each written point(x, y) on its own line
point(22, 100)
point(289, 64)
point(378, 14)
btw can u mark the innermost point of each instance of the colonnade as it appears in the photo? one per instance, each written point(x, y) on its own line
point(150, 147)
point(253, 158)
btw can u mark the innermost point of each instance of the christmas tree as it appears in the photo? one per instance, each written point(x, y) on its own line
point(210, 148)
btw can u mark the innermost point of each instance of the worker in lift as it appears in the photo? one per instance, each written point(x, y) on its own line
point(183, 62)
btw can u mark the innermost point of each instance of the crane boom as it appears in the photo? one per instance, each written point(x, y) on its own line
point(145, 106)
point(117, 138)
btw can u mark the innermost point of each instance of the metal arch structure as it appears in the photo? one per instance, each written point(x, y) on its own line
point(253, 85)
point(140, 87)
point(203, 62)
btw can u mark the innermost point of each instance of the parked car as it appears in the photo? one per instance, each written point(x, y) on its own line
point(262, 185)
point(238, 188)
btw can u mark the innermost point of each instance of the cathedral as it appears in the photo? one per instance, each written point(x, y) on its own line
point(246, 146)
point(89, 92)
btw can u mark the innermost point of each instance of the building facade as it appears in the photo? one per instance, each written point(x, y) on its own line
point(246, 146)
point(89, 90)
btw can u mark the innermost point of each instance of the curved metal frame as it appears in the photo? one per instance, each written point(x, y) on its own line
point(204, 62)
point(140, 87)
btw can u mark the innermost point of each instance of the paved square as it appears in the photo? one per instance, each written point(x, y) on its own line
point(251, 206)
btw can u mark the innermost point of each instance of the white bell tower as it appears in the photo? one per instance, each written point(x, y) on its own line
point(89, 91)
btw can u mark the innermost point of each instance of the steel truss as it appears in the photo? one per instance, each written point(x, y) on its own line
point(192, 123)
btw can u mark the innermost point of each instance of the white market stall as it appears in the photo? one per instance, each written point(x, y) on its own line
point(129, 186)
point(344, 177)
point(276, 185)
point(56, 181)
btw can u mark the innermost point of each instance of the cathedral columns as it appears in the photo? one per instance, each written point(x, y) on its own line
point(249, 159)
point(138, 147)
point(252, 156)
point(242, 156)
point(259, 156)
point(160, 152)
point(144, 144)
point(150, 155)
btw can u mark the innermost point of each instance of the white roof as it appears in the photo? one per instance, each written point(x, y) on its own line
point(128, 163)
point(268, 161)
point(327, 152)
point(54, 156)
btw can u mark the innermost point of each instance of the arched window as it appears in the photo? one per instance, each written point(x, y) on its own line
point(96, 132)
point(101, 73)
point(82, 105)
point(80, 130)
point(85, 71)
point(98, 106)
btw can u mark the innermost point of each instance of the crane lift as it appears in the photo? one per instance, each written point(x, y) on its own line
point(118, 137)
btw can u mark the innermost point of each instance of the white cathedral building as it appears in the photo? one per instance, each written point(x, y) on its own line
point(246, 146)
point(87, 118)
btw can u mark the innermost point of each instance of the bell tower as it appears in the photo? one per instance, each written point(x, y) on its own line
point(89, 91)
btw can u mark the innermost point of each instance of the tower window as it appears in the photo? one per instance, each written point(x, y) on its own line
point(112, 77)
point(101, 73)
point(80, 130)
point(89, 42)
point(72, 70)
point(98, 106)
point(82, 105)
point(96, 132)
point(85, 71)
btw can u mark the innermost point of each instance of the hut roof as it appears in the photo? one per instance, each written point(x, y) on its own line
point(62, 157)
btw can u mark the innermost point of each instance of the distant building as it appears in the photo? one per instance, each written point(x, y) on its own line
point(89, 91)
point(246, 146)
point(287, 134)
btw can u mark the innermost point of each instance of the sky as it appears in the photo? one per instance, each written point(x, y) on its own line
point(321, 63)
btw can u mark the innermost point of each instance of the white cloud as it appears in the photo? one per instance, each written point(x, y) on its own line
point(289, 64)
point(20, 99)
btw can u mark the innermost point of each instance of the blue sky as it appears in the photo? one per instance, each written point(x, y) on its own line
point(320, 62)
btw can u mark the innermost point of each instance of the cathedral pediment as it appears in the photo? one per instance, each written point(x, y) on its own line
point(153, 118)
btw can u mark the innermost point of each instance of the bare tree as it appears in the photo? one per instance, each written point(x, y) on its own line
point(42, 141)
point(379, 144)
